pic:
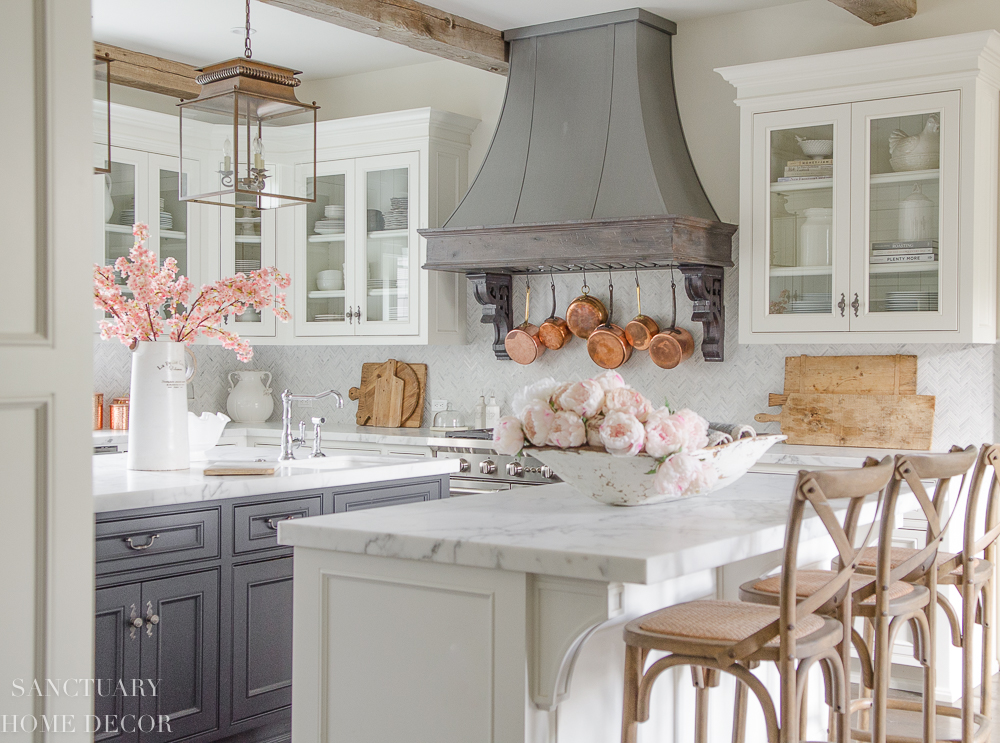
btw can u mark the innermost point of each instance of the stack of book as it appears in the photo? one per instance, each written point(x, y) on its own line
point(807, 170)
point(909, 251)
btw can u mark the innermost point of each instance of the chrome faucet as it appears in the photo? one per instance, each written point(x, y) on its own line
point(286, 420)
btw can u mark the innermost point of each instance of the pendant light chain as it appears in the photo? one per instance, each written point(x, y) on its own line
point(246, 51)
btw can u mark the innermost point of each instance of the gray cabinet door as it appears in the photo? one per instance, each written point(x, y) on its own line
point(116, 658)
point(182, 651)
point(378, 496)
point(262, 637)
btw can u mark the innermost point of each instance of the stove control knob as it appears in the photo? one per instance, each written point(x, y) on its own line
point(547, 472)
point(487, 467)
point(515, 469)
point(463, 465)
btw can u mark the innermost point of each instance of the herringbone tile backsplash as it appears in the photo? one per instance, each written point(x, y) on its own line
point(961, 376)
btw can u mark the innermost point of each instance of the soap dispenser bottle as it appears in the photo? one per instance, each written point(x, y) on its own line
point(492, 413)
point(479, 413)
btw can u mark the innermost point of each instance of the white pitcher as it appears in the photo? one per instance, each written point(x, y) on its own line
point(158, 427)
point(250, 398)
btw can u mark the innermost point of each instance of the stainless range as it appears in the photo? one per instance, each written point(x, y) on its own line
point(485, 471)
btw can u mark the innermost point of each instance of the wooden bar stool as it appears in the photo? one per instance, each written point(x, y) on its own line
point(730, 636)
point(971, 573)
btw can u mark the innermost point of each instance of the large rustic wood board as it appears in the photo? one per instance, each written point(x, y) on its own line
point(852, 375)
point(882, 421)
point(414, 378)
point(388, 404)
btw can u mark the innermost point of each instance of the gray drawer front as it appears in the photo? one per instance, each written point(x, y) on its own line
point(171, 538)
point(387, 496)
point(256, 526)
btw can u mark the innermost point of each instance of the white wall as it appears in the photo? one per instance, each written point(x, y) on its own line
point(448, 86)
point(708, 114)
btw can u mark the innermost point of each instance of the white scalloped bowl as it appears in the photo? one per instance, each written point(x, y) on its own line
point(625, 481)
point(816, 148)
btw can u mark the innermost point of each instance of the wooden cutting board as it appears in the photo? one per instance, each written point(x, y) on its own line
point(387, 406)
point(882, 421)
point(849, 375)
point(414, 378)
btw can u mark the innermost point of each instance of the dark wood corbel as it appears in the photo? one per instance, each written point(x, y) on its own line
point(492, 291)
point(704, 287)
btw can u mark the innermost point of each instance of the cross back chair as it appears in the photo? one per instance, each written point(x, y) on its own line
point(732, 636)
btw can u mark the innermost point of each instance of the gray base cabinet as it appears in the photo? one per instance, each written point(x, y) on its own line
point(200, 599)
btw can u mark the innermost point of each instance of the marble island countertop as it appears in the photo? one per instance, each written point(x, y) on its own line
point(115, 487)
point(554, 530)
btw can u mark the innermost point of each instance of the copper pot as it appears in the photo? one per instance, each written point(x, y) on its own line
point(673, 345)
point(608, 345)
point(554, 332)
point(585, 313)
point(522, 343)
point(641, 329)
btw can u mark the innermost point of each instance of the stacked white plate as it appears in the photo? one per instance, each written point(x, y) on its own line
point(911, 301)
point(329, 226)
point(166, 220)
point(810, 303)
point(329, 318)
point(243, 266)
point(397, 218)
point(127, 215)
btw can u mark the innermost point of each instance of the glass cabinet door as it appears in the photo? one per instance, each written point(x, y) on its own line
point(388, 273)
point(247, 244)
point(906, 244)
point(801, 249)
point(168, 216)
point(121, 196)
point(323, 279)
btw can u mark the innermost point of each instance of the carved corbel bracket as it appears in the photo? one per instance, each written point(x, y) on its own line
point(492, 291)
point(703, 285)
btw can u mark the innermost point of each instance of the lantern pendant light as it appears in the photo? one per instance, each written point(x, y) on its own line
point(244, 106)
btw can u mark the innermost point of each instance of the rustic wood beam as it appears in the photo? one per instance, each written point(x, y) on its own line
point(412, 24)
point(146, 72)
point(878, 12)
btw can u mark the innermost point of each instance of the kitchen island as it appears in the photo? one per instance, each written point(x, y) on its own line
point(194, 590)
point(498, 617)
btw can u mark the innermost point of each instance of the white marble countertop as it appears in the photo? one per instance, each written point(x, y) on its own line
point(117, 488)
point(554, 530)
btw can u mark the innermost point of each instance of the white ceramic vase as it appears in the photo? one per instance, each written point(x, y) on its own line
point(158, 414)
point(816, 237)
point(916, 216)
point(250, 398)
point(109, 204)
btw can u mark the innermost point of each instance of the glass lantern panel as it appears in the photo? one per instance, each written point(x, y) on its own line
point(326, 298)
point(248, 255)
point(102, 118)
point(172, 215)
point(387, 293)
point(119, 213)
point(801, 220)
point(904, 211)
point(253, 153)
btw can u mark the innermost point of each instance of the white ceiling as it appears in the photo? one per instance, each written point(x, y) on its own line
point(200, 32)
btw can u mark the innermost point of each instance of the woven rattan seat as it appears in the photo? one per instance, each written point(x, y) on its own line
point(809, 581)
point(722, 621)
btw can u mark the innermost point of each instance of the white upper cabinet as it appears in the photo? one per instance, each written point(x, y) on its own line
point(868, 194)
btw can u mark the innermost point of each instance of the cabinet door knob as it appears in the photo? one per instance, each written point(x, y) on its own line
point(357, 314)
point(855, 304)
point(145, 546)
point(842, 304)
point(137, 622)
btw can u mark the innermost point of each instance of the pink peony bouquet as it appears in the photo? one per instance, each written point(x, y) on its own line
point(604, 412)
point(161, 305)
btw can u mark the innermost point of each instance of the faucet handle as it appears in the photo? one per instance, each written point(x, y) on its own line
point(302, 434)
point(317, 451)
point(318, 421)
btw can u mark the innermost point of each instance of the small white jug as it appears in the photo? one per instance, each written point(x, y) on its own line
point(250, 398)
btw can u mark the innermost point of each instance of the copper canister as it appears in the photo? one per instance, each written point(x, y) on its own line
point(98, 411)
point(119, 414)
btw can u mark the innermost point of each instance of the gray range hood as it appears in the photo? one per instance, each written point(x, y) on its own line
point(588, 168)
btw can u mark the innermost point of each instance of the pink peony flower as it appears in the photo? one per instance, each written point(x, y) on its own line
point(625, 400)
point(610, 380)
point(536, 420)
point(664, 434)
point(508, 438)
point(568, 430)
point(557, 392)
point(540, 390)
point(583, 398)
point(683, 475)
point(594, 430)
point(622, 434)
point(696, 428)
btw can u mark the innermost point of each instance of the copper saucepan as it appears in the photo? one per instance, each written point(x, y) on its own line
point(522, 343)
point(554, 332)
point(641, 329)
point(608, 345)
point(670, 347)
point(585, 313)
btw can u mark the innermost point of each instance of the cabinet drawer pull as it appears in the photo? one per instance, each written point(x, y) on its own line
point(855, 304)
point(146, 546)
point(842, 304)
point(272, 523)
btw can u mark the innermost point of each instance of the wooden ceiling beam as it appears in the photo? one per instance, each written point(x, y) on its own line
point(146, 72)
point(412, 24)
point(879, 12)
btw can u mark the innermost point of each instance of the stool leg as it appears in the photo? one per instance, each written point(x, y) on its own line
point(969, 596)
point(986, 690)
point(868, 633)
point(630, 704)
point(930, 671)
point(703, 679)
point(880, 661)
point(740, 713)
